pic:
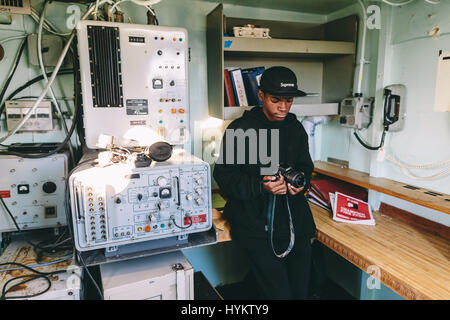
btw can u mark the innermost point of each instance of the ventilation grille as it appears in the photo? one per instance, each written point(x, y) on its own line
point(15, 6)
point(411, 187)
point(106, 73)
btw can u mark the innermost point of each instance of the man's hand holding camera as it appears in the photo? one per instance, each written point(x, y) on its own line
point(278, 186)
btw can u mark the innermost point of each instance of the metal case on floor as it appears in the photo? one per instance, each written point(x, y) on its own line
point(167, 276)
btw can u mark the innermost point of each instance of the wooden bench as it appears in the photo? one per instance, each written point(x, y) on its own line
point(403, 252)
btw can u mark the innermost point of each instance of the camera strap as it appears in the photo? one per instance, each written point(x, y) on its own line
point(270, 218)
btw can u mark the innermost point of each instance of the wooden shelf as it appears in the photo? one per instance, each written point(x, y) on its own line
point(427, 198)
point(286, 47)
point(300, 110)
point(324, 60)
point(412, 262)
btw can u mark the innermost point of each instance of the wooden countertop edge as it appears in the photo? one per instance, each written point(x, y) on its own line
point(387, 279)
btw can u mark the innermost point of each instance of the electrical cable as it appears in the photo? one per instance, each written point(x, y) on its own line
point(28, 84)
point(396, 4)
point(365, 145)
point(180, 227)
point(13, 38)
point(9, 213)
point(57, 149)
point(52, 94)
point(52, 78)
point(444, 163)
point(146, 4)
point(37, 275)
point(13, 70)
point(38, 265)
point(48, 26)
point(68, 211)
point(99, 291)
point(362, 54)
point(403, 170)
point(31, 278)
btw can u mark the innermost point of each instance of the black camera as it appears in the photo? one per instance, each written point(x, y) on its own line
point(291, 176)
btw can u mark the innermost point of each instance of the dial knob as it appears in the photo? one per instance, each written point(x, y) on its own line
point(199, 201)
point(189, 197)
point(198, 190)
point(139, 196)
point(162, 181)
point(198, 180)
point(49, 187)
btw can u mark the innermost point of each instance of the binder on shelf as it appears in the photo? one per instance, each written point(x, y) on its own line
point(230, 100)
point(322, 186)
point(251, 78)
point(238, 87)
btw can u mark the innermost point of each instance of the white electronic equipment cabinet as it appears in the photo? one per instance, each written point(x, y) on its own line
point(119, 204)
point(167, 276)
point(134, 82)
point(33, 191)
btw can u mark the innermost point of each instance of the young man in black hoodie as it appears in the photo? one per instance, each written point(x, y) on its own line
point(279, 249)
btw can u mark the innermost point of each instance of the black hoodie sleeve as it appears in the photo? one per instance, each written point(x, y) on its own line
point(233, 180)
point(305, 163)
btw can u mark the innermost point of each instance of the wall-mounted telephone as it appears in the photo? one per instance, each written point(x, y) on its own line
point(356, 112)
point(394, 107)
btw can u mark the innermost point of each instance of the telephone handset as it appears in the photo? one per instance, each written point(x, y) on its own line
point(394, 107)
point(391, 108)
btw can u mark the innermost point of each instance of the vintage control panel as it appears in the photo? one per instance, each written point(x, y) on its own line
point(118, 204)
point(134, 81)
point(33, 190)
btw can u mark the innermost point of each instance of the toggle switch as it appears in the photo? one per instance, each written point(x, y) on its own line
point(161, 132)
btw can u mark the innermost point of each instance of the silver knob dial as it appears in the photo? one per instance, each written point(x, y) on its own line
point(162, 181)
point(198, 191)
point(189, 197)
point(199, 201)
point(198, 180)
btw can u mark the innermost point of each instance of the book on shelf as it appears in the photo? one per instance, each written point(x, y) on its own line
point(322, 186)
point(251, 78)
point(228, 89)
point(241, 86)
point(238, 87)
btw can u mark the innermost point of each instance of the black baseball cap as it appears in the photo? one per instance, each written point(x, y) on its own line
point(281, 82)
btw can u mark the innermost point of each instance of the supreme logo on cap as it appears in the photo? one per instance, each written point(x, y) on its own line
point(284, 85)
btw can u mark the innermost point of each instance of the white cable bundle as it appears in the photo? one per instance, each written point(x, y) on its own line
point(404, 166)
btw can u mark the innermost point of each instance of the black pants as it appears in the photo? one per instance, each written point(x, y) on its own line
point(286, 278)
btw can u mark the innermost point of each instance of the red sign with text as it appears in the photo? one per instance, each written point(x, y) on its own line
point(349, 208)
point(5, 193)
point(195, 219)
